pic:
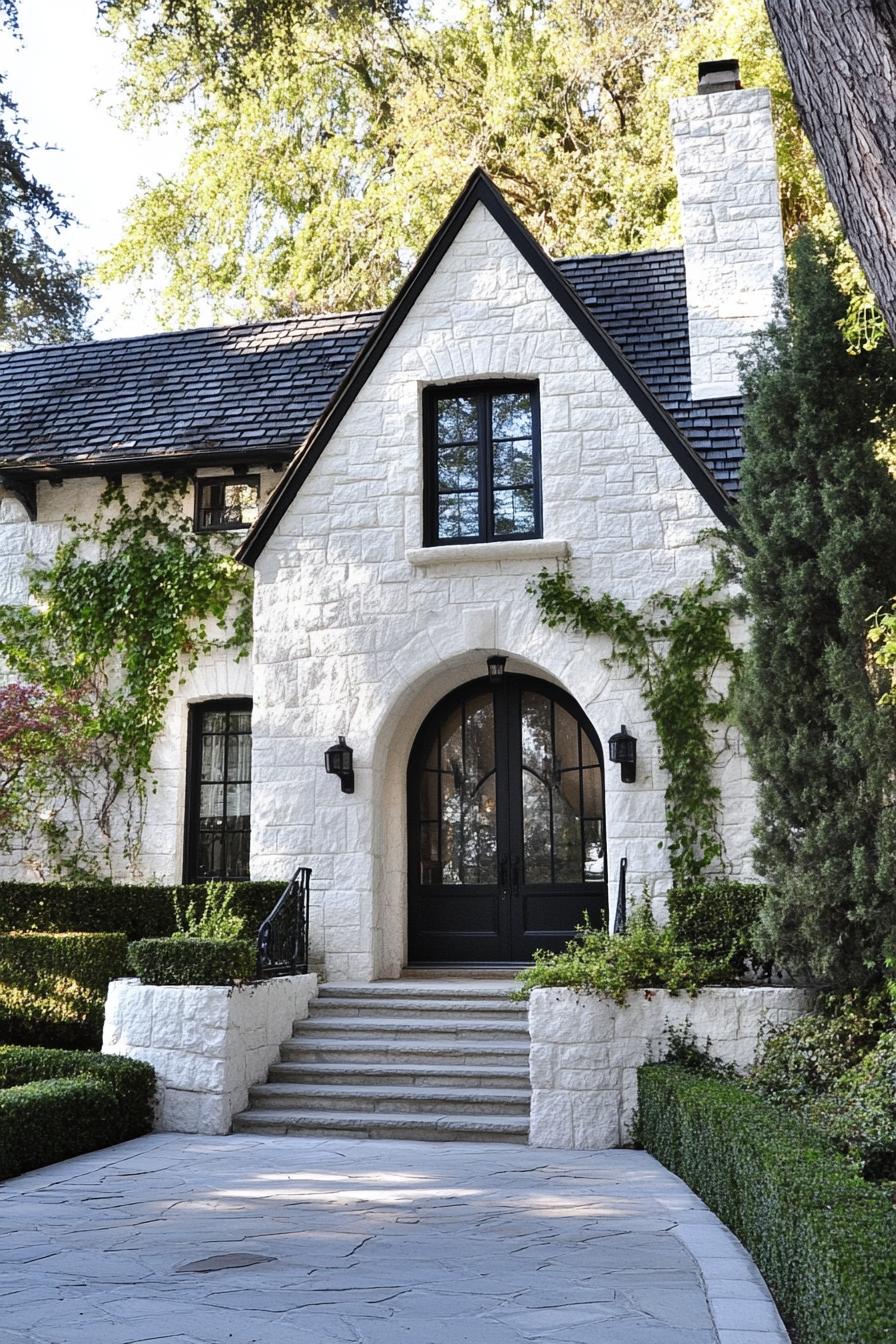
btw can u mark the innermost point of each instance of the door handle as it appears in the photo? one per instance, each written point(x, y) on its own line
point(502, 874)
point(515, 874)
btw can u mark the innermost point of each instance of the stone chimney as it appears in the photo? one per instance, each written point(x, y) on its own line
point(731, 221)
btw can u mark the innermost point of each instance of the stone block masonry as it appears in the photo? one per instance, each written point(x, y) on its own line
point(207, 1043)
point(731, 223)
point(586, 1051)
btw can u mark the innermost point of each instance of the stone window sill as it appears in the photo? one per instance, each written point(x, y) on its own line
point(444, 557)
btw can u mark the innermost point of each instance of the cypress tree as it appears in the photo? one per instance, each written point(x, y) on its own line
point(818, 513)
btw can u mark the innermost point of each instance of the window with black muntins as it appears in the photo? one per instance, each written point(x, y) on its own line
point(219, 789)
point(226, 503)
point(483, 469)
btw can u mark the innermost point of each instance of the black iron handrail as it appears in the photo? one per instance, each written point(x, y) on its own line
point(283, 936)
point(620, 916)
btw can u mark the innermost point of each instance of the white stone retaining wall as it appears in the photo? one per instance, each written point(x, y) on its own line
point(586, 1051)
point(207, 1043)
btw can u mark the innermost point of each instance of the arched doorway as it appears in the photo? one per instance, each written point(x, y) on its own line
point(506, 824)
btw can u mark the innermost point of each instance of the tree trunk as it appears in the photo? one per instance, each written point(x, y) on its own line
point(841, 59)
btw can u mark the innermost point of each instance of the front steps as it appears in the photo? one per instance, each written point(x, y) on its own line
point(412, 1059)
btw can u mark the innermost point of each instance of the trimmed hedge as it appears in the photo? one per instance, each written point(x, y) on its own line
point(137, 911)
point(824, 1239)
point(58, 1103)
point(53, 986)
point(716, 918)
point(192, 961)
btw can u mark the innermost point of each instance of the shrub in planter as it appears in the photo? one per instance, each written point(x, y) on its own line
point(192, 961)
point(824, 1239)
point(53, 985)
point(644, 956)
point(57, 1103)
point(105, 907)
point(716, 918)
point(860, 1111)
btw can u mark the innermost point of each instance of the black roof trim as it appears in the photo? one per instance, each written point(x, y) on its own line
point(42, 469)
point(480, 190)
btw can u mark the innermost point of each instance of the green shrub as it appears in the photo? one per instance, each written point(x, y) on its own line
point(612, 964)
point(805, 1059)
point(53, 985)
point(716, 918)
point(138, 911)
point(131, 1080)
point(53, 1119)
point(215, 919)
point(824, 1239)
point(860, 1111)
point(192, 961)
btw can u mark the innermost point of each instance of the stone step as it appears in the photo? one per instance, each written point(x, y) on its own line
point(379, 1125)
point(345, 1005)
point(391, 1100)
point(424, 989)
point(312, 1047)
point(419, 1028)
point(390, 1074)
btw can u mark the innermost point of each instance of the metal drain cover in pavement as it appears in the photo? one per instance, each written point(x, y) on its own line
point(214, 1262)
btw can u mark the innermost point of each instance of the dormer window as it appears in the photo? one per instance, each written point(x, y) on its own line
point(483, 473)
point(226, 503)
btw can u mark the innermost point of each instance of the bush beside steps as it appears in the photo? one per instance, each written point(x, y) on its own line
point(56, 1104)
point(53, 986)
point(192, 961)
point(824, 1239)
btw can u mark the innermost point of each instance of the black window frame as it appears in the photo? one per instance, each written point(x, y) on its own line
point(248, 478)
point(232, 704)
point(483, 390)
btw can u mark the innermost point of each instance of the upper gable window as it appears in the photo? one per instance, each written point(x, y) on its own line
point(483, 477)
point(226, 503)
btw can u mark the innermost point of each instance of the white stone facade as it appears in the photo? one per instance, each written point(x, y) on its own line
point(358, 631)
point(586, 1051)
point(218, 675)
point(731, 223)
point(207, 1043)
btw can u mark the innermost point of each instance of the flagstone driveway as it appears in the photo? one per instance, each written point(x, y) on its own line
point(251, 1240)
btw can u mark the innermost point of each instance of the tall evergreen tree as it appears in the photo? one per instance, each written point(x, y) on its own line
point(818, 511)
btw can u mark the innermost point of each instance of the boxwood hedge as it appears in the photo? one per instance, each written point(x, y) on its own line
point(53, 985)
point(58, 1103)
point(192, 961)
point(824, 1239)
point(137, 911)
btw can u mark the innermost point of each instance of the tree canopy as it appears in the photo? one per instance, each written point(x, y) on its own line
point(327, 143)
point(42, 297)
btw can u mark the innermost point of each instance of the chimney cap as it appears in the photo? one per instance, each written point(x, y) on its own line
point(718, 76)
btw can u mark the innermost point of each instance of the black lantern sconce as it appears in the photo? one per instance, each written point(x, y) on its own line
point(624, 753)
point(496, 665)
point(338, 761)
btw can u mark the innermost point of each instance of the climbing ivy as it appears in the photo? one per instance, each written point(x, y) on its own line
point(129, 603)
point(674, 646)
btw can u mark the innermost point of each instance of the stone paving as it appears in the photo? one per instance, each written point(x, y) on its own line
point(325, 1241)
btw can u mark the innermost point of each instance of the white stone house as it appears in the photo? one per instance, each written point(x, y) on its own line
point(415, 469)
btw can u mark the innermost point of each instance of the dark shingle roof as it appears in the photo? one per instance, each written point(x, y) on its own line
point(246, 391)
point(639, 298)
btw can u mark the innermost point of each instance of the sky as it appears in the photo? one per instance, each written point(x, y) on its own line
point(57, 74)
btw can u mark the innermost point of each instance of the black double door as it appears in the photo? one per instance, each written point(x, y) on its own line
point(506, 824)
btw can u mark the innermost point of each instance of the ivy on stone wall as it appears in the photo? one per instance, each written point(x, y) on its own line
point(130, 602)
point(673, 646)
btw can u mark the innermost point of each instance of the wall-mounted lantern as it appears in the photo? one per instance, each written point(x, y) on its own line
point(496, 665)
point(338, 761)
point(624, 753)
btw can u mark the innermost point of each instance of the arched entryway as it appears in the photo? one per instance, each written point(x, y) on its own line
point(505, 824)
